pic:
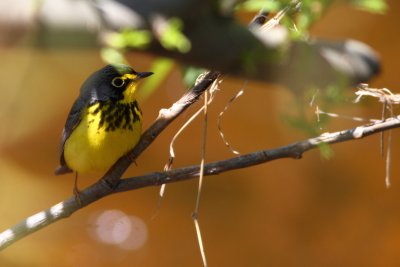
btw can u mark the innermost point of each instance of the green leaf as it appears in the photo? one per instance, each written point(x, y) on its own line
point(374, 6)
point(129, 38)
point(112, 56)
point(257, 5)
point(172, 37)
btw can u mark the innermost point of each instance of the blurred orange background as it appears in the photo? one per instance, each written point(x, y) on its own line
point(308, 212)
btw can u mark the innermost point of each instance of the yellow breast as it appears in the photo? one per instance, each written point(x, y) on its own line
point(106, 132)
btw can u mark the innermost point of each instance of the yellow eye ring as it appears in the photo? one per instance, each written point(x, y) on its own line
point(118, 82)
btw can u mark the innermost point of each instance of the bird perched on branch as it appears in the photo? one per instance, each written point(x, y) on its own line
point(104, 123)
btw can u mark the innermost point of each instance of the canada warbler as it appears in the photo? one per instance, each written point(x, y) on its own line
point(104, 123)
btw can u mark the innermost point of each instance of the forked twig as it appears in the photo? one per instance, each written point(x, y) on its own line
point(195, 214)
point(227, 106)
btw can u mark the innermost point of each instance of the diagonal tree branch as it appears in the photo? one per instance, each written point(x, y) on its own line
point(100, 189)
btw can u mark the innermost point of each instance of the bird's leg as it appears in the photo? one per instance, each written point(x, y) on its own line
point(76, 190)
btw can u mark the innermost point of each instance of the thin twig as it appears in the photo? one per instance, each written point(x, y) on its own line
point(340, 116)
point(383, 116)
point(389, 148)
point(221, 133)
point(168, 166)
point(195, 214)
point(388, 159)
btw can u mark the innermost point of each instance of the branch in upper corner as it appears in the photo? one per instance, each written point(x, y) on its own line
point(265, 56)
point(258, 54)
point(271, 57)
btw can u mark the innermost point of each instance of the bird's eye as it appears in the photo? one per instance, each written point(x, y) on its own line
point(117, 82)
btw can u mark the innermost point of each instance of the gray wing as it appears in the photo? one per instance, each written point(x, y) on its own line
point(73, 120)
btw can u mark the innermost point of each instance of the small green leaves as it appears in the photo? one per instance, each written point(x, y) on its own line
point(257, 5)
point(170, 36)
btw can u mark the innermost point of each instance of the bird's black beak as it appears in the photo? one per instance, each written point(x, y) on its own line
point(142, 75)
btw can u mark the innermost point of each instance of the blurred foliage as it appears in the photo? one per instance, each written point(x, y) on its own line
point(300, 16)
point(301, 123)
point(374, 6)
point(312, 127)
point(172, 37)
point(129, 38)
point(190, 75)
point(304, 115)
point(310, 10)
point(112, 55)
point(326, 151)
point(257, 5)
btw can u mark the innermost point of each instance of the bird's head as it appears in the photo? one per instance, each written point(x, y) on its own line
point(113, 82)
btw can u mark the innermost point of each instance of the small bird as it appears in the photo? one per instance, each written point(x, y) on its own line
point(104, 123)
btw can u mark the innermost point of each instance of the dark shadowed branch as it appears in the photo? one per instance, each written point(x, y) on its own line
point(212, 33)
